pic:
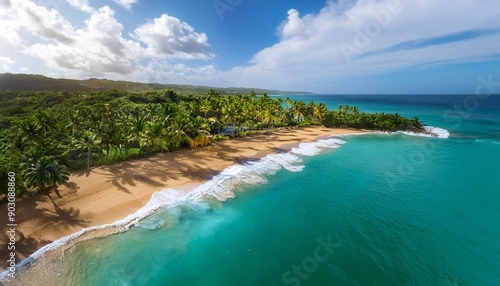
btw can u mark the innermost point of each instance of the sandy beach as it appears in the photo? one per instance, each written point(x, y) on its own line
point(106, 194)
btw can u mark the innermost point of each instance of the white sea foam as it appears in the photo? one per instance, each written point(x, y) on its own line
point(434, 132)
point(311, 149)
point(221, 187)
point(440, 132)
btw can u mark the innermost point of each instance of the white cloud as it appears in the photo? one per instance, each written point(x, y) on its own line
point(81, 5)
point(169, 37)
point(127, 4)
point(366, 37)
point(5, 62)
point(96, 50)
point(99, 48)
point(5, 3)
point(25, 16)
point(166, 72)
point(294, 26)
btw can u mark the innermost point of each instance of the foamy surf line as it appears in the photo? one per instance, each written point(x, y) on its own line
point(220, 187)
point(431, 132)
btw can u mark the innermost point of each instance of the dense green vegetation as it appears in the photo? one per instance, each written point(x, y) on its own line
point(350, 117)
point(45, 134)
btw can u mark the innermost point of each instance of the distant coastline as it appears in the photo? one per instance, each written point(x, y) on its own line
point(34, 82)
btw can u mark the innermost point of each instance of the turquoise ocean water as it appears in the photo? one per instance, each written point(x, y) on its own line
point(373, 209)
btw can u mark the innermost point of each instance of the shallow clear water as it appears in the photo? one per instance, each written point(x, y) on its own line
point(379, 210)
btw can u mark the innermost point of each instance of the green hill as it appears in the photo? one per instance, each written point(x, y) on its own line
point(33, 82)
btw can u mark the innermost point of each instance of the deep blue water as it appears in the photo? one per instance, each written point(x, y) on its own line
point(467, 116)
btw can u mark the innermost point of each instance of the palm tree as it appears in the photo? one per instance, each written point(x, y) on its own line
point(20, 143)
point(6, 165)
point(206, 107)
point(217, 104)
point(30, 156)
point(110, 135)
point(213, 93)
point(169, 111)
point(231, 114)
point(46, 173)
point(29, 130)
point(138, 127)
point(155, 136)
point(45, 123)
point(200, 131)
point(299, 110)
point(179, 130)
point(74, 123)
point(288, 102)
point(150, 111)
point(87, 141)
point(124, 126)
point(270, 116)
point(310, 108)
point(355, 110)
point(319, 111)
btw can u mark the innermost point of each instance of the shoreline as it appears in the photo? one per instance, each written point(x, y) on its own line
point(109, 194)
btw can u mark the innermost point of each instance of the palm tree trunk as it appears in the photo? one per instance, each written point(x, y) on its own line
point(41, 187)
point(89, 154)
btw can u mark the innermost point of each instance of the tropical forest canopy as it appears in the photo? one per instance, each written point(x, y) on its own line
point(46, 134)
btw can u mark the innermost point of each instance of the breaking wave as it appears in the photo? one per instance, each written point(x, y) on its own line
point(432, 132)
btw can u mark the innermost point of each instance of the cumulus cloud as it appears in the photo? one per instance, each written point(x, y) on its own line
point(294, 26)
point(99, 48)
point(169, 37)
point(81, 5)
point(127, 4)
point(95, 50)
point(25, 16)
point(5, 62)
point(359, 38)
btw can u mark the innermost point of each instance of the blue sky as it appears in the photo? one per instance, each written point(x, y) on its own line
point(341, 46)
